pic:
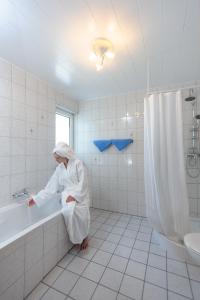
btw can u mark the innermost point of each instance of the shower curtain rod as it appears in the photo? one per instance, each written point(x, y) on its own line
point(150, 92)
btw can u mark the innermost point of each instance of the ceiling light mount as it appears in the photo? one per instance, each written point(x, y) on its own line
point(101, 48)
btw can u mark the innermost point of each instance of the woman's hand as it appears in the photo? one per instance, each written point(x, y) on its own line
point(31, 202)
point(70, 199)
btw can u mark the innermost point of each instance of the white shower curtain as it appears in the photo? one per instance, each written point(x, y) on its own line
point(165, 183)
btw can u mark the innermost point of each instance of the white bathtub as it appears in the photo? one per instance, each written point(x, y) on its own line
point(175, 249)
point(32, 241)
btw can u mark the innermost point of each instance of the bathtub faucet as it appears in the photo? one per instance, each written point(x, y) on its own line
point(21, 194)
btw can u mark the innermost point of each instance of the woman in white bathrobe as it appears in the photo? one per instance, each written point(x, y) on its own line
point(70, 177)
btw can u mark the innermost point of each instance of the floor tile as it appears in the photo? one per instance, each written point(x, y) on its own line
point(108, 246)
point(83, 289)
point(177, 267)
point(74, 250)
point(126, 241)
point(135, 221)
point(122, 297)
point(87, 253)
point(145, 229)
point(156, 276)
point(52, 294)
point(123, 251)
point(66, 277)
point(77, 265)
point(139, 255)
point(146, 237)
point(66, 260)
point(115, 238)
point(156, 249)
point(194, 272)
point(195, 289)
point(141, 245)
point(132, 287)
point(102, 257)
point(92, 231)
point(154, 239)
point(96, 225)
point(130, 233)
point(93, 271)
point(173, 296)
point(133, 227)
point(101, 219)
point(118, 230)
point(157, 261)
point(103, 293)
point(95, 242)
point(101, 234)
point(53, 275)
point(136, 269)
point(125, 218)
point(111, 279)
point(111, 222)
point(179, 285)
point(118, 263)
point(106, 227)
point(154, 292)
point(38, 292)
point(121, 224)
point(114, 216)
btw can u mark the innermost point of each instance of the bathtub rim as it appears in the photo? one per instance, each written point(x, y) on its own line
point(27, 229)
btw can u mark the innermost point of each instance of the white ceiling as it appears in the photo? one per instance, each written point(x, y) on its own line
point(52, 39)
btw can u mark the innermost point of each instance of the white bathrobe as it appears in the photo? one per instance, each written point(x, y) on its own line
point(73, 182)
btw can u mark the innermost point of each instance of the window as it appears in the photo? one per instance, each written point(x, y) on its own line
point(64, 126)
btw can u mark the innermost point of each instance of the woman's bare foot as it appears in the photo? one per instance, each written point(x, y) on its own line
point(84, 244)
point(77, 246)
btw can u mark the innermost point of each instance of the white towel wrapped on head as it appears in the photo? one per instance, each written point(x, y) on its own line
point(63, 150)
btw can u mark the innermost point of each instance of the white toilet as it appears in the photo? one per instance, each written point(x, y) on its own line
point(192, 243)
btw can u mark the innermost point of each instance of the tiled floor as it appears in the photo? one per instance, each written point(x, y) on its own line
point(122, 262)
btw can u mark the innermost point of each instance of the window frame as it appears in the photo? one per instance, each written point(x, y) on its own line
point(66, 113)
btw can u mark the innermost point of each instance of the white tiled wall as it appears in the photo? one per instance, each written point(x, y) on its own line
point(27, 130)
point(116, 177)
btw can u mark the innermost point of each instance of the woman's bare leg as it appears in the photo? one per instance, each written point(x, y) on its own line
point(84, 244)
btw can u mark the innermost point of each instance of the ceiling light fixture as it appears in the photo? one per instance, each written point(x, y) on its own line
point(101, 48)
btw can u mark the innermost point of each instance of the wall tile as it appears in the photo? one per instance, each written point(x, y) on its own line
point(18, 75)
point(5, 88)
point(5, 69)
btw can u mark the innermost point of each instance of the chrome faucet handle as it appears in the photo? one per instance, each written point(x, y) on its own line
point(21, 193)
